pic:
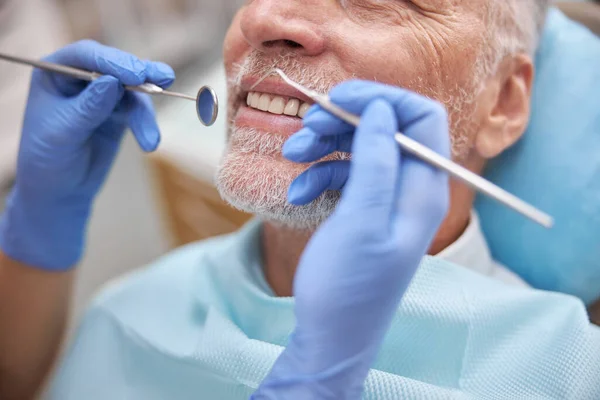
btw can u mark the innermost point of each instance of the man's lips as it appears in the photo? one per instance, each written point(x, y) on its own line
point(265, 121)
point(247, 117)
point(273, 86)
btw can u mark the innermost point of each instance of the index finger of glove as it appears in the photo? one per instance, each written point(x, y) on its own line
point(375, 167)
point(354, 96)
point(94, 57)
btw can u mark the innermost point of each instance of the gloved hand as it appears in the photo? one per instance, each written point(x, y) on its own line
point(71, 134)
point(360, 262)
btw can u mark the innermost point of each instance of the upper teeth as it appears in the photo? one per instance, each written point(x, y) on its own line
point(277, 104)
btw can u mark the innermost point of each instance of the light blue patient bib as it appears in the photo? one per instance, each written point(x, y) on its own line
point(202, 324)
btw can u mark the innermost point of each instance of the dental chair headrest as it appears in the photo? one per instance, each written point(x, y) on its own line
point(556, 167)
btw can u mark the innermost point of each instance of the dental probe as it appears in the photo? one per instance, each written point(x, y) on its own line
point(426, 154)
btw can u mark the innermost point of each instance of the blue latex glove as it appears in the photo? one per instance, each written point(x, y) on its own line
point(360, 262)
point(71, 134)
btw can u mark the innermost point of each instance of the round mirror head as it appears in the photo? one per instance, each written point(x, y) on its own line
point(207, 106)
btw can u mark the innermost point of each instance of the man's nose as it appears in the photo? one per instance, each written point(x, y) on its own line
point(274, 25)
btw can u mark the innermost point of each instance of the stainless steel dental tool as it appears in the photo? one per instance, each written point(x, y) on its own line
point(426, 154)
point(207, 103)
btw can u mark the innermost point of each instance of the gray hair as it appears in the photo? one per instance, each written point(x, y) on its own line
point(514, 26)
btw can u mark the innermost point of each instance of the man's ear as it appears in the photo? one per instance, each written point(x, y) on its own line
point(505, 103)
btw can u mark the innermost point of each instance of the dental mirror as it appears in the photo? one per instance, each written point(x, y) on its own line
point(207, 103)
point(207, 106)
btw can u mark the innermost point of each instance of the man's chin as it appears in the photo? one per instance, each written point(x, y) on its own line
point(300, 218)
point(256, 186)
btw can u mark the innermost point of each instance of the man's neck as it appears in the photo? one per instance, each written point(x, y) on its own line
point(282, 247)
point(452, 228)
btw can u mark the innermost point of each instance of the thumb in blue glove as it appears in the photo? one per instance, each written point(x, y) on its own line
point(360, 262)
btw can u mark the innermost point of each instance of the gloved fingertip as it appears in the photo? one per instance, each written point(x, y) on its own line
point(142, 122)
point(299, 191)
point(165, 69)
point(315, 117)
point(295, 147)
point(153, 139)
point(146, 134)
point(325, 124)
point(314, 108)
point(160, 74)
point(165, 82)
point(316, 114)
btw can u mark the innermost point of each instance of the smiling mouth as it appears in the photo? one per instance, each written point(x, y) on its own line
point(277, 105)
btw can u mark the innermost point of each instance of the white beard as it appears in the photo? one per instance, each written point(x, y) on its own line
point(254, 178)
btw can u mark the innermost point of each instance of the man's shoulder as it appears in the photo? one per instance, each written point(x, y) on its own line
point(150, 322)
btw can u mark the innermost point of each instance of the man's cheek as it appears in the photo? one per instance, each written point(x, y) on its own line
point(235, 46)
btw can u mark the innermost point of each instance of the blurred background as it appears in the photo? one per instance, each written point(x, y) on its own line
point(150, 204)
point(131, 225)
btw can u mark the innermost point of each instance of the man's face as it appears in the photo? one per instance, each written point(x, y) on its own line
point(433, 47)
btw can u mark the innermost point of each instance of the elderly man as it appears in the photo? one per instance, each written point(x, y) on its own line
point(214, 320)
point(474, 58)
